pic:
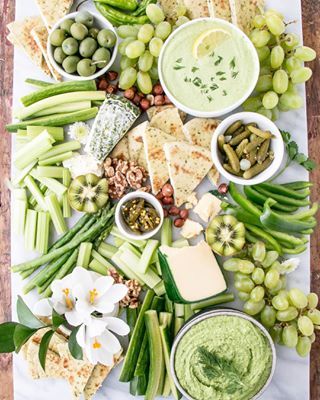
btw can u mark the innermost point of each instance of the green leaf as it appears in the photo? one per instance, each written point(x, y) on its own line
point(26, 316)
point(309, 165)
point(21, 335)
point(74, 348)
point(220, 196)
point(43, 348)
point(286, 136)
point(300, 158)
point(292, 150)
point(6, 337)
point(57, 319)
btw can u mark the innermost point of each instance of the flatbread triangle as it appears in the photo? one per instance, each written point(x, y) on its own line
point(53, 10)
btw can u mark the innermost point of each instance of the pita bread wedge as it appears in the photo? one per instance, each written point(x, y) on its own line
point(135, 141)
point(197, 8)
point(172, 9)
point(40, 35)
point(243, 11)
point(221, 9)
point(152, 111)
point(121, 150)
point(53, 10)
point(153, 140)
point(169, 121)
point(188, 165)
point(199, 131)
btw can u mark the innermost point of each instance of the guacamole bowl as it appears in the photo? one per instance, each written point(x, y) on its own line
point(208, 67)
point(222, 353)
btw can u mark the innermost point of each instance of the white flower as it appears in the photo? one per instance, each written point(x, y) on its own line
point(288, 266)
point(79, 131)
point(82, 164)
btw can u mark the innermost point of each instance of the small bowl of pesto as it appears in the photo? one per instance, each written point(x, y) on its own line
point(208, 67)
point(222, 354)
point(139, 215)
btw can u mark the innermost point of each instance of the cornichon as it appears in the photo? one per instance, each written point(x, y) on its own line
point(232, 156)
point(257, 168)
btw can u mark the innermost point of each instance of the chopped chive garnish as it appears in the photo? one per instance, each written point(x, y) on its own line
point(177, 67)
point(224, 93)
point(179, 60)
point(223, 79)
point(235, 74)
point(194, 69)
point(214, 87)
point(218, 60)
point(232, 63)
point(219, 73)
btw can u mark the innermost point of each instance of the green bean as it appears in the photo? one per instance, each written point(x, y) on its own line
point(285, 191)
point(237, 139)
point(257, 169)
point(240, 147)
point(253, 239)
point(264, 235)
point(282, 199)
point(233, 159)
point(263, 151)
point(298, 185)
point(296, 250)
point(259, 132)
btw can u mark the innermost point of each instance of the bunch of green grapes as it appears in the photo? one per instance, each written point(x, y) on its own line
point(290, 316)
point(281, 66)
point(141, 48)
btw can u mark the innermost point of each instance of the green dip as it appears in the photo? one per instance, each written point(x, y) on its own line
point(215, 81)
point(223, 358)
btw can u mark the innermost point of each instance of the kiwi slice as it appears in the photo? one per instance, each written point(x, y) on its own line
point(225, 235)
point(88, 193)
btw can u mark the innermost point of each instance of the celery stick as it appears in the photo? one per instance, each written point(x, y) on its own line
point(160, 289)
point(96, 266)
point(30, 230)
point(32, 150)
point(188, 312)
point(50, 172)
point(56, 132)
point(147, 254)
point(101, 259)
point(121, 266)
point(179, 310)
point(166, 232)
point(52, 184)
point(21, 132)
point(118, 242)
point(219, 299)
point(84, 254)
point(38, 83)
point(68, 107)
point(19, 216)
point(130, 247)
point(158, 267)
point(57, 159)
point(19, 194)
point(180, 243)
point(32, 199)
point(138, 243)
point(107, 250)
point(16, 181)
point(178, 323)
point(61, 148)
point(165, 318)
point(66, 180)
point(36, 192)
point(31, 110)
point(43, 228)
point(55, 213)
point(166, 391)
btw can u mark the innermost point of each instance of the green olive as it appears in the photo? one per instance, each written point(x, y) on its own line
point(106, 38)
point(85, 67)
point(85, 18)
point(87, 47)
point(66, 25)
point(78, 31)
point(102, 55)
point(57, 37)
point(59, 55)
point(70, 64)
point(70, 46)
point(93, 32)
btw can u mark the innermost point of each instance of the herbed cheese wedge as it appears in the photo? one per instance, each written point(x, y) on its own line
point(191, 274)
point(208, 207)
point(188, 165)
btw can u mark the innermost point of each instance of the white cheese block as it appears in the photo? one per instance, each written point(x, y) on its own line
point(208, 207)
point(191, 229)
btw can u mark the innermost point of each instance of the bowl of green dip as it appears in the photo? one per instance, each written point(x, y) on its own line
point(208, 83)
point(222, 354)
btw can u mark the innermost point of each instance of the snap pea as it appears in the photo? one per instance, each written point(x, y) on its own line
point(240, 147)
point(259, 132)
point(285, 191)
point(129, 5)
point(118, 17)
point(264, 235)
point(282, 199)
point(263, 151)
point(237, 139)
point(257, 168)
point(233, 159)
point(243, 201)
point(298, 185)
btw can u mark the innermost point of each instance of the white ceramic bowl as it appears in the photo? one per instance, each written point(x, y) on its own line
point(246, 94)
point(100, 23)
point(211, 314)
point(121, 224)
point(263, 123)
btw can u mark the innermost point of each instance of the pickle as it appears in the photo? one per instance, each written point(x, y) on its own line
point(252, 156)
point(221, 142)
point(232, 128)
point(254, 144)
point(263, 151)
point(229, 169)
point(257, 169)
point(238, 131)
point(260, 133)
point(240, 147)
point(237, 139)
point(232, 156)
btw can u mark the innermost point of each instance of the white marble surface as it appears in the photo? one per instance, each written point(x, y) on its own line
point(291, 379)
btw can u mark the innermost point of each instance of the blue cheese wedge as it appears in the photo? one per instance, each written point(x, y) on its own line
point(191, 274)
point(114, 119)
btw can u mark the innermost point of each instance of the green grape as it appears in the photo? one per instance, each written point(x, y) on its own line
point(270, 258)
point(312, 300)
point(266, 113)
point(253, 308)
point(298, 298)
point(257, 294)
point(154, 74)
point(274, 291)
point(268, 316)
point(124, 44)
point(275, 24)
point(155, 13)
point(280, 81)
point(287, 315)
point(163, 30)
point(135, 49)
point(265, 70)
point(314, 315)
point(246, 266)
point(276, 333)
point(277, 57)
point(238, 276)
point(127, 78)
point(301, 75)
point(144, 82)
point(258, 251)
point(264, 83)
point(155, 46)
point(290, 336)
point(266, 63)
point(244, 285)
point(258, 276)
point(270, 100)
point(263, 53)
point(282, 108)
point(259, 21)
point(292, 63)
point(145, 61)
point(312, 338)
point(260, 38)
point(125, 31)
point(146, 33)
point(275, 114)
point(272, 278)
point(303, 347)
point(126, 62)
point(272, 11)
point(280, 303)
point(284, 293)
point(252, 104)
point(232, 264)
point(291, 40)
point(182, 20)
point(305, 53)
point(243, 296)
point(291, 101)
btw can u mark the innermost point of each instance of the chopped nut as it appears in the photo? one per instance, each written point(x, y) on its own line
point(150, 97)
point(112, 75)
point(103, 84)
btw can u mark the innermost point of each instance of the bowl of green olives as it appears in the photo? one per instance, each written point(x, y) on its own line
point(82, 45)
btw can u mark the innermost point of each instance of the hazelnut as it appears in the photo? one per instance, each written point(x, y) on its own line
point(129, 94)
point(184, 214)
point(157, 89)
point(112, 89)
point(174, 210)
point(167, 200)
point(158, 100)
point(141, 95)
point(103, 84)
point(160, 196)
point(165, 212)
point(144, 104)
point(223, 188)
point(136, 99)
point(112, 75)
point(167, 100)
point(167, 190)
point(179, 222)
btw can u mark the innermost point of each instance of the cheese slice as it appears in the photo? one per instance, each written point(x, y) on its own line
point(208, 207)
point(195, 272)
point(191, 229)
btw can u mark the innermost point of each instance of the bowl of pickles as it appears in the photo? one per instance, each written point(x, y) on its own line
point(139, 215)
point(82, 45)
point(247, 148)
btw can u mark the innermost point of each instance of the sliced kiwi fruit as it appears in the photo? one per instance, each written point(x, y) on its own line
point(225, 235)
point(88, 193)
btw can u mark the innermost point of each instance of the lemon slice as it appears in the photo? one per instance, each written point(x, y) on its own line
point(208, 41)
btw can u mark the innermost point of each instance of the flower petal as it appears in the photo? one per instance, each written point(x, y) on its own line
point(104, 306)
point(95, 326)
point(43, 308)
point(117, 326)
point(110, 342)
point(117, 292)
point(103, 284)
point(74, 317)
point(81, 336)
point(105, 357)
point(84, 307)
